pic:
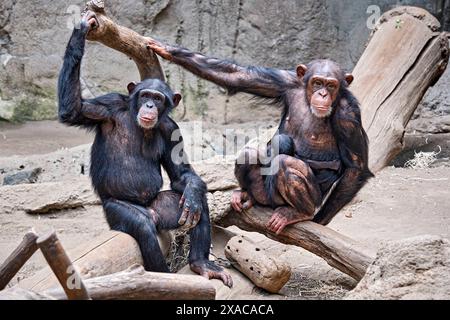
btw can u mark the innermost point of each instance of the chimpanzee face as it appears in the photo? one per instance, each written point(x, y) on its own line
point(151, 104)
point(153, 100)
point(321, 93)
point(323, 80)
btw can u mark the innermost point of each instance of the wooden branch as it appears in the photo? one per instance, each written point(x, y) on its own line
point(337, 250)
point(108, 253)
point(137, 284)
point(61, 265)
point(404, 57)
point(17, 258)
point(263, 270)
point(126, 41)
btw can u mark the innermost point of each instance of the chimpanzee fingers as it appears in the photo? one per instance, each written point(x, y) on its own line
point(272, 220)
point(189, 221)
point(280, 229)
point(182, 199)
point(236, 206)
point(90, 19)
point(184, 216)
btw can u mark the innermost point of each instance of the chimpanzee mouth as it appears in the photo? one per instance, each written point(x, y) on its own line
point(147, 123)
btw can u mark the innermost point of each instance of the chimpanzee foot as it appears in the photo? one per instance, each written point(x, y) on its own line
point(209, 270)
point(285, 216)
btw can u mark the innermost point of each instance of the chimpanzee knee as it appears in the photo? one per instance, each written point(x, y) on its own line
point(135, 221)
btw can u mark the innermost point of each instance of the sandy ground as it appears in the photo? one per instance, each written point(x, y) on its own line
point(398, 203)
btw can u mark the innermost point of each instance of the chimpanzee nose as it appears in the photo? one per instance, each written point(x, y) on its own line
point(323, 94)
point(149, 105)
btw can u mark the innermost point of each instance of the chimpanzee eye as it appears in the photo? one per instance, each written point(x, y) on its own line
point(317, 83)
point(331, 87)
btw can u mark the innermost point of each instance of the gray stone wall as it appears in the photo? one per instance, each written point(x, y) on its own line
point(33, 35)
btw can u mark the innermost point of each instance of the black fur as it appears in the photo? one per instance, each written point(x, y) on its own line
point(126, 161)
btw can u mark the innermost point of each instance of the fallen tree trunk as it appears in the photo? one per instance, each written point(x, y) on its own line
point(337, 250)
point(17, 258)
point(124, 40)
point(109, 253)
point(137, 284)
point(404, 57)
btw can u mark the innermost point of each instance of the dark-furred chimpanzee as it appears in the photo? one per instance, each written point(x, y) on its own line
point(133, 139)
point(320, 139)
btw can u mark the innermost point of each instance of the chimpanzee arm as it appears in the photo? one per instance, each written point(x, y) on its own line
point(353, 148)
point(183, 178)
point(73, 109)
point(262, 82)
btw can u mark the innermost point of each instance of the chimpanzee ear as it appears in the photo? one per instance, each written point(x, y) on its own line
point(131, 87)
point(349, 78)
point(176, 99)
point(301, 70)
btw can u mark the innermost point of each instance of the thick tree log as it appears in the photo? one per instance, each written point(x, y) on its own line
point(337, 250)
point(137, 284)
point(404, 57)
point(62, 267)
point(124, 40)
point(264, 271)
point(17, 258)
point(110, 252)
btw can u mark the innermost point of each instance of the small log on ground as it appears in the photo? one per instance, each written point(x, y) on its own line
point(136, 283)
point(124, 40)
point(61, 265)
point(404, 57)
point(17, 258)
point(337, 250)
point(108, 253)
point(264, 271)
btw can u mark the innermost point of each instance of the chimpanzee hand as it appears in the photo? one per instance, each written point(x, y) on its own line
point(160, 49)
point(88, 21)
point(192, 204)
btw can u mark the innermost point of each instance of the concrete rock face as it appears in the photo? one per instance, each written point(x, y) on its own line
point(281, 34)
point(415, 268)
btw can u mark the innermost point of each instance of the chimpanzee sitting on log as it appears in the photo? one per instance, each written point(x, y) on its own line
point(320, 141)
point(132, 141)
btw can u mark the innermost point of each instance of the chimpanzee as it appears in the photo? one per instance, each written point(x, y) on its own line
point(133, 139)
point(321, 143)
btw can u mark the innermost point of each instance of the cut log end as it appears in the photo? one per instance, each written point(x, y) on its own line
point(263, 270)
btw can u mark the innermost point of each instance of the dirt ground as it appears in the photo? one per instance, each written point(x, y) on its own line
point(398, 203)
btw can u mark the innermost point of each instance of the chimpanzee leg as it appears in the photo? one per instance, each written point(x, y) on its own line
point(296, 184)
point(137, 222)
point(168, 212)
point(200, 238)
point(248, 173)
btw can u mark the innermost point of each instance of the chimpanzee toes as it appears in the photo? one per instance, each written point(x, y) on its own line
point(210, 270)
